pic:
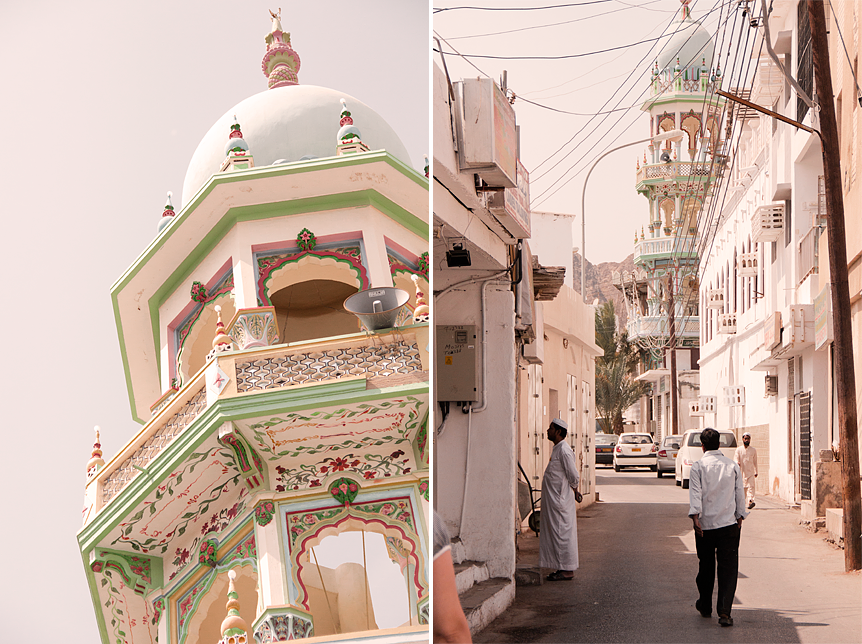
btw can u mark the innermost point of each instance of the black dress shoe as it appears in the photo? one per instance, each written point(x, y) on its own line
point(725, 620)
point(704, 612)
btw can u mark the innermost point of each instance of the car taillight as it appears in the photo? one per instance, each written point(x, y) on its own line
point(662, 453)
point(619, 450)
point(654, 448)
point(685, 461)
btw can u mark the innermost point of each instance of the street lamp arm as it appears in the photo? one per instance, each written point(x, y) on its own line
point(664, 136)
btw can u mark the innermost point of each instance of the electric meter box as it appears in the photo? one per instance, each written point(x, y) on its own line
point(455, 363)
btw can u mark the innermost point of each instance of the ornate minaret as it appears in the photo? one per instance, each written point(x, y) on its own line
point(676, 179)
point(280, 62)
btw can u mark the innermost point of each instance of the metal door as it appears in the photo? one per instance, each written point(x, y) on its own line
point(805, 445)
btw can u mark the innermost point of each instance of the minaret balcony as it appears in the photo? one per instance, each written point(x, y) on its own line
point(680, 245)
point(653, 173)
point(387, 358)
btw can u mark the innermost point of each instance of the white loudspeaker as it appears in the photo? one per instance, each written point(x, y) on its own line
point(377, 308)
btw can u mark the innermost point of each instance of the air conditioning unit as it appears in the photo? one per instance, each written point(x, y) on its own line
point(727, 323)
point(748, 265)
point(707, 404)
point(694, 409)
point(734, 396)
point(771, 386)
point(715, 298)
point(767, 223)
point(488, 144)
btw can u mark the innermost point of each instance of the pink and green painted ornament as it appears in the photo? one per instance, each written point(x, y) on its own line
point(306, 240)
point(344, 490)
point(264, 512)
point(208, 550)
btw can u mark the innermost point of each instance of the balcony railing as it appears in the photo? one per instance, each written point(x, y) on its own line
point(665, 171)
point(375, 357)
point(653, 325)
point(807, 260)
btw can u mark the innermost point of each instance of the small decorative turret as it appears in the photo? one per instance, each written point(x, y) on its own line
point(167, 215)
point(421, 313)
point(234, 630)
point(349, 139)
point(280, 63)
point(237, 156)
point(222, 341)
point(96, 462)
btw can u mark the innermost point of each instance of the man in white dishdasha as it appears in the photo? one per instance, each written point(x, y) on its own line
point(717, 509)
point(746, 458)
point(558, 536)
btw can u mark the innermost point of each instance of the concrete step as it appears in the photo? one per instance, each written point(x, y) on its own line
point(486, 601)
point(468, 573)
point(459, 552)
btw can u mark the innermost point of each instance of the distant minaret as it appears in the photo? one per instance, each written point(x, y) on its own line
point(168, 215)
point(237, 156)
point(280, 63)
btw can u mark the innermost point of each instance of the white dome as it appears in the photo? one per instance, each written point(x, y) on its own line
point(691, 44)
point(288, 123)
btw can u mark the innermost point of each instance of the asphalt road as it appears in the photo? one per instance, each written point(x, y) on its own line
point(636, 580)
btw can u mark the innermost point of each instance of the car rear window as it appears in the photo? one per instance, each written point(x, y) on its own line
point(605, 439)
point(670, 440)
point(724, 440)
point(635, 439)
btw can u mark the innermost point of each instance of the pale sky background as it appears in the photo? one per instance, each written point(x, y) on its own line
point(102, 105)
point(614, 211)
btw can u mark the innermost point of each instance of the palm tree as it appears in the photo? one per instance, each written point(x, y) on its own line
point(616, 388)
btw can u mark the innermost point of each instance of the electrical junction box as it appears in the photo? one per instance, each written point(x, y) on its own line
point(455, 363)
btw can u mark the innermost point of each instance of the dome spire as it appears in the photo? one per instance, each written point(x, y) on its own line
point(233, 628)
point(222, 341)
point(685, 12)
point(96, 462)
point(167, 214)
point(280, 63)
point(237, 156)
point(349, 138)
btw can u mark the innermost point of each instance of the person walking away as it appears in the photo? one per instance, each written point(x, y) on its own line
point(558, 535)
point(717, 509)
point(746, 458)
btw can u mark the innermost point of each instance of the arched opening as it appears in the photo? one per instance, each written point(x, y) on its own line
point(667, 208)
point(313, 309)
point(195, 336)
point(204, 622)
point(356, 581)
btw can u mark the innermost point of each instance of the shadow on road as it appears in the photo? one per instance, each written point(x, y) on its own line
point(635, 584)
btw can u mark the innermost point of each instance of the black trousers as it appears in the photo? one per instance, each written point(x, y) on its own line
point(721, 547)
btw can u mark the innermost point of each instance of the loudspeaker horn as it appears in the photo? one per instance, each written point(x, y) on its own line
point(377, 308)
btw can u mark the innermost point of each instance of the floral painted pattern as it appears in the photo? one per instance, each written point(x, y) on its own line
point(404, 420)
point(344, 490)
point(368, 466)
point(395, 509)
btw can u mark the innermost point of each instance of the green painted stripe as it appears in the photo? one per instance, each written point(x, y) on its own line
point(233, 409)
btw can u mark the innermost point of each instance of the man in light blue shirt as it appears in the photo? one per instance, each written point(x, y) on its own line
point(717, 508)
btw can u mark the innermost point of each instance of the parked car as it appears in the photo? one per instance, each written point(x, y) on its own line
point(666, 455)
point(605, 444)
point(690, 452)
point(635, 450)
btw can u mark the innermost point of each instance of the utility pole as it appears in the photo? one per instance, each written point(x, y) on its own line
point(844, 370)
point(671, 328)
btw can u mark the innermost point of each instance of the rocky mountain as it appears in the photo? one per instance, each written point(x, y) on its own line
point(599, 282)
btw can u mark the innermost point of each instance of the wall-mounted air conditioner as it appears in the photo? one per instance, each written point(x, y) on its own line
point(767, 223)
point(771, 386)
point(727, 323)
point(748, 265)
point(488, 139)
point(734, 396)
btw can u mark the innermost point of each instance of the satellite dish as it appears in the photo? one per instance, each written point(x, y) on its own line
point(665, 156)
point(377, 308)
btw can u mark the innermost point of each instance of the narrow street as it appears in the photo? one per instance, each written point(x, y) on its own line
point(637, 570)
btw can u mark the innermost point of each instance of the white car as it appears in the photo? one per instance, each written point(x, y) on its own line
point(635, 450)
point(690, 451)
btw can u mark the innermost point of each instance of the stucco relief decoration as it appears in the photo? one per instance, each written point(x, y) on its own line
point(263, 512)
point(423, 263)
point(199, 293)
point(344, 490)
point(207, 552)
point(397, 552)
point(423, 488)
point(158, 609)
point(422, 442)
point(306, 240)
point(267, 266)
point(281, 628)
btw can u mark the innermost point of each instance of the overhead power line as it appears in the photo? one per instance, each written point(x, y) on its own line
point(552, 6)
point(565, 56)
